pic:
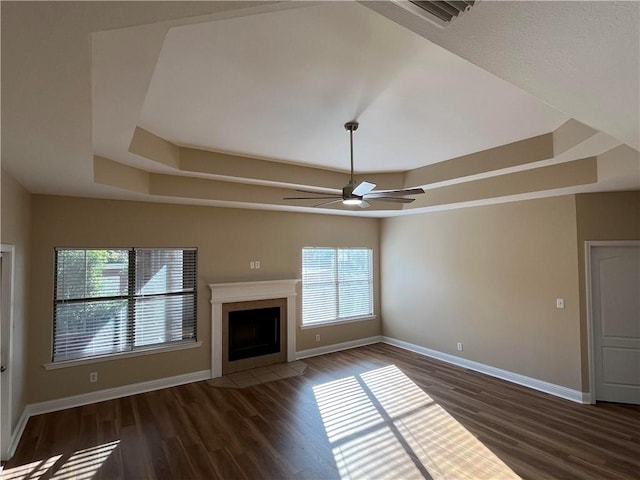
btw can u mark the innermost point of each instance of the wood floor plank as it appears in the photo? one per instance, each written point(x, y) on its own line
point(226, 465)
point(136, 458)
point(370, 412)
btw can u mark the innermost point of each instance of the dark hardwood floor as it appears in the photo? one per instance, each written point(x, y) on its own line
point(371, 412)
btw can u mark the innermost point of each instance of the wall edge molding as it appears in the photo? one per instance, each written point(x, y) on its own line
point(337, 347)
point(529, 382)
point(17, 432)
point(151, 385)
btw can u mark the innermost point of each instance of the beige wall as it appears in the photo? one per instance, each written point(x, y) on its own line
point(227, 239)
point(602, 216)
point(15, 210)
point(488, 277)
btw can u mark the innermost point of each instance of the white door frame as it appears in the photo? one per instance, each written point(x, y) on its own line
point(8, 272)
point(588, 246)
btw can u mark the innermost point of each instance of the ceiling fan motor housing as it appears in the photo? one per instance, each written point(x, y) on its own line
point(347, 191)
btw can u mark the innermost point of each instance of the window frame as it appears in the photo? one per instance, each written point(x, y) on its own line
point(131, 297)
point(345, 319)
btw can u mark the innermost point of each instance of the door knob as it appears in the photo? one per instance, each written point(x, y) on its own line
point(2, 368)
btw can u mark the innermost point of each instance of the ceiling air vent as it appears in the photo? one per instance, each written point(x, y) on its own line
point(440, 13)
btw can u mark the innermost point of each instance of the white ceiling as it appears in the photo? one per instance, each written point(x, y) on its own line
point(581, 57)
point(278, 80)
point(281, 85)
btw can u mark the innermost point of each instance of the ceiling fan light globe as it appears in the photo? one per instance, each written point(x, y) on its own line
point(352, 201)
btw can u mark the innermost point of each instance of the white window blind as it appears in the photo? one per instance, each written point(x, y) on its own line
point(112, 301)
point(337, 284)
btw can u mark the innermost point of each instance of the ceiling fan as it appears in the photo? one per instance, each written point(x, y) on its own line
point(358, 195)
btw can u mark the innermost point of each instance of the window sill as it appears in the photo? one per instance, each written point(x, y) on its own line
point(330, 323)
point(118, 356)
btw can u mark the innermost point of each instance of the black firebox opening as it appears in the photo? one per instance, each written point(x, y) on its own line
point(254, 332)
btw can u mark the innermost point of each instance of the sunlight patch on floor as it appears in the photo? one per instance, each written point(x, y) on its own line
point(82, 465)
point(375, 454)
point(345, 408)
point(30, 470)
point(382, 425)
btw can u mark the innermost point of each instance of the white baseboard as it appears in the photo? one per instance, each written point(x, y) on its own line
point(540, 385)
point(134, 389)
point(100, 396)
point(336, 347)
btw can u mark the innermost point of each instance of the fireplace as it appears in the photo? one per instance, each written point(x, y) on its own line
point(229, 298)
point(253, 333)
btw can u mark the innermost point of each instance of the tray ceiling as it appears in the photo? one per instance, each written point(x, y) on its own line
point(237, 103)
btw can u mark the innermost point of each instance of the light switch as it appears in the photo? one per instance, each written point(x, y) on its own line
point(559, 302)
point(252, 264)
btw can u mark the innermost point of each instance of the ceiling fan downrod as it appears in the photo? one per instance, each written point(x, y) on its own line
point(351, 127)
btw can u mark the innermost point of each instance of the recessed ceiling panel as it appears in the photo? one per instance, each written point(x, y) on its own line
point(281, 85)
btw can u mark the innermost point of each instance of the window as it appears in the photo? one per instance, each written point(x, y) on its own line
point(114, 301)
point(337, 284)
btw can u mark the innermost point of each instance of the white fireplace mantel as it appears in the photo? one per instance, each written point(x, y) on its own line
point(246, 292)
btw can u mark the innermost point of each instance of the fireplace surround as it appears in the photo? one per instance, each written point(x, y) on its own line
point(227, 293)
point(253, 334)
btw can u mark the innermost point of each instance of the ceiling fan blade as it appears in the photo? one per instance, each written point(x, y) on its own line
point(364, 204)
point(403, 191)
point(313, 198)
point(363, 188)
point(328, 203)
point(391, 199)
point(312, 192)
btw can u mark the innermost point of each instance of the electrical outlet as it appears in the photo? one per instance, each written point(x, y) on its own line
point(93, 377)
point(317, 337)
point(459, 346)
point(559, 302)
point(257, 263)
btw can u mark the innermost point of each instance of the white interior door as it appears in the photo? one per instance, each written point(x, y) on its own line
point(3, 427)
point(6, 259)
point(615, 313)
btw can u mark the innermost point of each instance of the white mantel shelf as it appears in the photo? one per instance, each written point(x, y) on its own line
point(246, 292)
